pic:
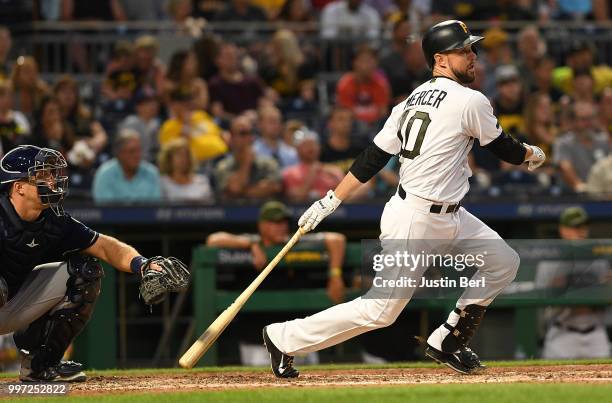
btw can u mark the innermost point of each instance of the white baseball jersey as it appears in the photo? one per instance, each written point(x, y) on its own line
point(432, 131)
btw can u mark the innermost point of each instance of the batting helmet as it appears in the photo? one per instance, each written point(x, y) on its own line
point(445, 36)
point(42, 167)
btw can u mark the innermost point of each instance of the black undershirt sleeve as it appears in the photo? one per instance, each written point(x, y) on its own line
point(369, 162)
point(508, 149)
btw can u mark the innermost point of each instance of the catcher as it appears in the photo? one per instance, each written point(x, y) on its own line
point(49, 273)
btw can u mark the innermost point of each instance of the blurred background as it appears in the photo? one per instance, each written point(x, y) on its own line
point(180, 118)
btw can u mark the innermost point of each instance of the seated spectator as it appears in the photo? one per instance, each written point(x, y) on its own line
point(497, 52)
point(270, 144)
point(205, 137)
point(148, 69)
point(577, 151)
point(126, 178)
point(582, 85)
point(605, 110)
point(240, 10)
point(145, 122)
point(531, 47)
point(14, 126)
point(539, 122)
point(28, 88)
point(365, 90)
point(296, 11)
point(599, 182)
point(309, 179)
point(99, 10)
point(243, 173)
point(183, 72)
point(543, 78)
point(51, 130)
point(78, 116)
point(349, 19)
point(387, 179)
point(508, 103)
point(574, 331)
point(580, 57)
point(118, 86)
point(393, 63)
point(6, 43)
point(273, 230)
point(144, 10)
point(341, 148)
point(179, 182)
point(231, 92)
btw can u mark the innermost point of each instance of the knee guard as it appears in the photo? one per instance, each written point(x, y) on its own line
point(466, 324)
point(48, 337)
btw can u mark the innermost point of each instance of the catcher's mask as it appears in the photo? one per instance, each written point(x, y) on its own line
point(42, 167)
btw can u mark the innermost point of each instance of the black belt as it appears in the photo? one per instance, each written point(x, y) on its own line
point(575, 329)
point(435, 208)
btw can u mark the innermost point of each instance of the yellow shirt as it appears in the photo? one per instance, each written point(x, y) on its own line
point(204, 137)
point(270, 6)
point(563, 77)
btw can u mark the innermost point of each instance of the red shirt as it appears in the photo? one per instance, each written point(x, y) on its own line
point(328, 178)
point(366, 100)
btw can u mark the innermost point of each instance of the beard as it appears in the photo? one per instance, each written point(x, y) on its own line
point(464, 77)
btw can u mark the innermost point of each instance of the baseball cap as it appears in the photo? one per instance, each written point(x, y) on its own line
point(573, 217)
point(273, 211)
point(146, 42)
point(505, 73)
point(302, 134)
point(494, 37)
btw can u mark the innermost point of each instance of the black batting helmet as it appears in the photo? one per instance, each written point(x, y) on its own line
point(445, 36)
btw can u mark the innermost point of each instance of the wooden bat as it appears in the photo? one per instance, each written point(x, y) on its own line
point(203, 343)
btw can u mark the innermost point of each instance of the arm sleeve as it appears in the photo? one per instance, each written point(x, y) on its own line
point(369, 162)
point(478, 120)
point(507, 148)
point(387, 139)
point(77, 236)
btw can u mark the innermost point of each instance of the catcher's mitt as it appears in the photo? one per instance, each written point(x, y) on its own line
point(172, 276)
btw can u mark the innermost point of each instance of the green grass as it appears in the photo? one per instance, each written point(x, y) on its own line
point(495, 393)
point(152, 371)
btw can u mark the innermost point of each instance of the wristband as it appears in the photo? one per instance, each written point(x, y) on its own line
point(136, 263)
point(335, 272)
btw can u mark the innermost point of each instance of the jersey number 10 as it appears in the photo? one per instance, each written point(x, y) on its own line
point(404, 133)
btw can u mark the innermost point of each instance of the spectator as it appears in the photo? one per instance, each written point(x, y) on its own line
point(179, 182)
point(207, 8)
point(577, 151)
point(183, 72)
point(497, 53)
point(532, 48)
point(118, 86)
point(605, 110)
point(6, 43)
point(99, 10)
point(393, 63)
point(28, 88)
point(180, 10)
point(309, 179)
point(270, 144)
point(349, 18)
point(599, 182)
point(149, 71)
point(387, 179)
point(539, 122)
point(577, 10)
point(543, 78)
point(583, 85)
point(231, 92)
point(295, 11)
point(145, 122)
point(144, 10)
point(340, 149)
point(508, 104)
point(273, 230)
point(78, 116)
point(205, 137)
point(127, 178)
point(243, 173)
point(14, 126)
point(576, 331)
point(291, 126)
point(271, 8)
point(365, 90)
point(384, 8)
point(240, 10)
point(51, 130)
point(581, 56)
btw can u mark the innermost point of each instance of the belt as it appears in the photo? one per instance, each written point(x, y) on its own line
point(575, 329)
point(435, 208)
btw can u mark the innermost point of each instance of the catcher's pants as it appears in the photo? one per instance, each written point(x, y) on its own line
point(44, 288)
point(561, 344)
point(408, 218)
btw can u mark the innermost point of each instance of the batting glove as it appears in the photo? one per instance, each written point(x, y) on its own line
point(537, 157)
point(318, 211)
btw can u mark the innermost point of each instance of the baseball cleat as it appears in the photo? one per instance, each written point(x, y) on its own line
point(465, 361)
point(65, 371)
point(281, 363)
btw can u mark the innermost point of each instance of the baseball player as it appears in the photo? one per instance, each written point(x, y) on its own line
point(432, 132)
point(47, 288)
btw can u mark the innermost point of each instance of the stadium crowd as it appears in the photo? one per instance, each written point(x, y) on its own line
point(224, 121)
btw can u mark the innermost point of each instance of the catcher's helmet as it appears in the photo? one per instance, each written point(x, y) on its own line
point(42, 167)
point(445, 36)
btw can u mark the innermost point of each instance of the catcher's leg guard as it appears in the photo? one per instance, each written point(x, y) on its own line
point(47, 338)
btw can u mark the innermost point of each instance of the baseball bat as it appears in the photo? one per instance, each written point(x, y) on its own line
point(203, 343)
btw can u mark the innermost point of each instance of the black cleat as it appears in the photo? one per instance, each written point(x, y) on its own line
point(282, 364)
point(65, 371)
point(465, 361)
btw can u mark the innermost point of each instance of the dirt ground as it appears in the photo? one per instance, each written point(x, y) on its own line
point(337, 378)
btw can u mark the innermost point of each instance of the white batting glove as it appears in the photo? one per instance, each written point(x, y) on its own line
point(318, 211)
point(537, 157)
